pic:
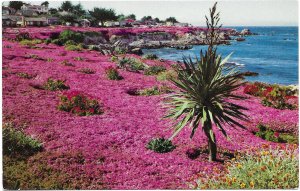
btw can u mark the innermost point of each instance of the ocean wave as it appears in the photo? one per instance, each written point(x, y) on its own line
point(234, 64)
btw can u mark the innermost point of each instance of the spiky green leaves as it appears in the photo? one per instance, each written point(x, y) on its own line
point(205, 88)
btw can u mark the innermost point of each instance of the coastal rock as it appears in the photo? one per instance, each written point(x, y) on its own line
point(224, 36)
point(240, 39)
point(245, 32)
point(136, 51)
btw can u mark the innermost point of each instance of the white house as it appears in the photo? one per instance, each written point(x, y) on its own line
point(40, 9)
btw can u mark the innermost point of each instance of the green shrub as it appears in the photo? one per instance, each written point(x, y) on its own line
point(166, 75)
point(131, 64)
point(48, 41)
point(67, 35)
point(78, 58)
point(22, 36)
point(72, 47)
point(270, 135)
point(114, 58)
point(120, 50)
point(79, 104)
point(54, 85)
point(27, 42)
point(25, 75)
point(17, 143)
point(160, 145)
point(57, 42)
point(112, 73)
point(50, 59)
point(154, 70)
point(268, 168)
point(67, 63)
point(87, 71)
point(37, 173)
point(70, 42)
point(155, 90)
point(150, 56)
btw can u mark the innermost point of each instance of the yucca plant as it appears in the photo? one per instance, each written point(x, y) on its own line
point(206, 85)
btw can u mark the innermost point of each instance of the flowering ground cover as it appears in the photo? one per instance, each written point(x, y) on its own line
point(113, 144)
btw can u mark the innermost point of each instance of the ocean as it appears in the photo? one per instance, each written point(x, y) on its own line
point(273, 53)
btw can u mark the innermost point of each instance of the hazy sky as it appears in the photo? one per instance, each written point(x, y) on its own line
point(233, 13)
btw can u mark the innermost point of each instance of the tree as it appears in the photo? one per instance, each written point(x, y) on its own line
point(157, 20)
point(67, 18)
point(15, 4)
point(66, 6)
point(205, 86)
point(131, 16)
point(45, 3)
point(102, 15)
point(172, 20)
point(78, 10)
point(121, 17)
point(146, 18)
point(53, 11)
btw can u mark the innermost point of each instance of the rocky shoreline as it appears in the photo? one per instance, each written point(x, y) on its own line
point(132, 40)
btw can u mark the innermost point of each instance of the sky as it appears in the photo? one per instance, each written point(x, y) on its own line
point(232, 12)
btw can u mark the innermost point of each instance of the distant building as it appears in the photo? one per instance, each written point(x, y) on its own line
point(111, 24)
point(85, 22)
point(181, 24)
point(53, 21)
point(127, 23)
point(12, 20)
point(8, 11)
point(39, 9)
point(32, 21)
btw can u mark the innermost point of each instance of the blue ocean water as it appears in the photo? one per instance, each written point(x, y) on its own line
point(273, 53)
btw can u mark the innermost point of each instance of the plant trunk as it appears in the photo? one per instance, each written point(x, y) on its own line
point(212, 147)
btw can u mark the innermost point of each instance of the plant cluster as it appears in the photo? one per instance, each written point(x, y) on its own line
point(55, 85)
point(26, 42)
point(154, 70)
point(67, 63)
point(25, 75)
point(166, 75)
point(150, 56)
point(23, 36)
point(15, 142)
point(160, 145)
point(112, 73)
point(87, 71)
point(73, 47)
point(270, 135)
point(155, 90)
point(79, 104)
point(272, 95)
point(267, 168)
point(130, 64)
point(78, 58)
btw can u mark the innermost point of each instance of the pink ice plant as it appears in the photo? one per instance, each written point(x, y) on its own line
point(115, 141)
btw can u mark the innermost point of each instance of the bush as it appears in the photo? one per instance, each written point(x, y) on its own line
point(154, 70)
point(57, 42)
point(79, 104)
point(48, 41)
point(25, 75)
point(22, 36)
point(150, 56)
point(27, 42)
point(272, 95)
point(87, 71)
point(120, 50)
point(67, 63)
point(270, 135)
point(161, 145)
point(114, 58)
point(17, 143)
point(131, 64)
point(155, 90)
point(72, 47)
point(166, 75)
point(54, 85)
point(112, 73)
point(67, 35)
point(268, 168)
point(78, 58)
